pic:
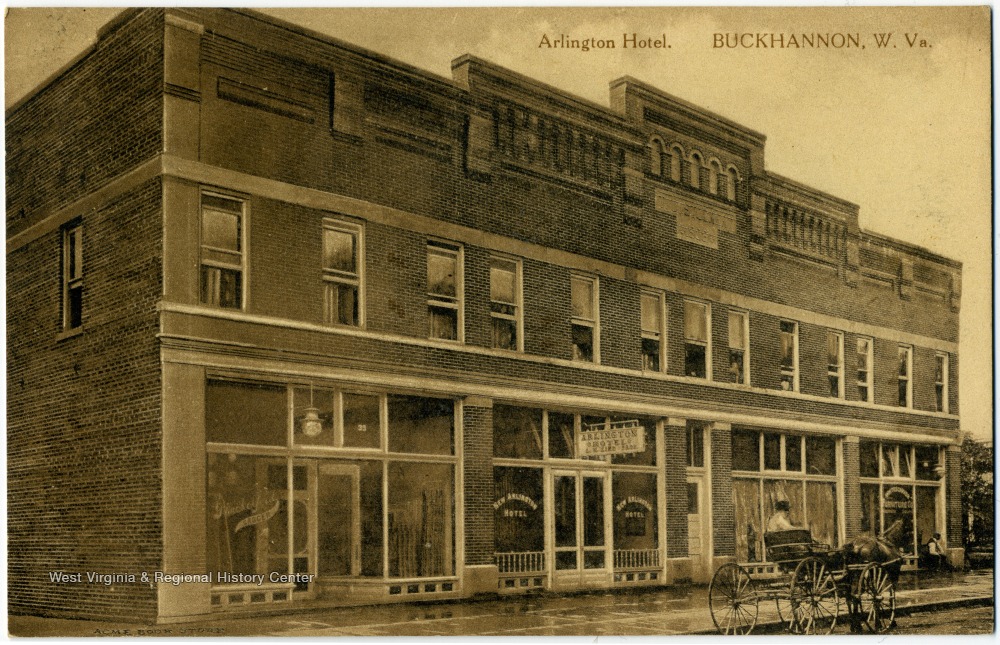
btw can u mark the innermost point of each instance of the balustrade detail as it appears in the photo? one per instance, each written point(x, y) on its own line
point(556, 148)
point(805, 232)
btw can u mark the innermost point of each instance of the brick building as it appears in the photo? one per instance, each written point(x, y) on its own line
point(282, 307)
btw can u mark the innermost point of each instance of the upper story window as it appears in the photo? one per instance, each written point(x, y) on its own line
point(72, 276)
point(864, 355)
point(835, 363)
point(941, 382)
point(676, 154)
point(222, 257)
point(697, 341)
point(505, 303)
point(739, 347)
point(731, 184)
point(789, 355)
point(905, 382)
point(696, 170)
point(342, 262)
point(653, 332)
point(655, 157)
point(714, 170)
point(585, 324)
point(444, 291)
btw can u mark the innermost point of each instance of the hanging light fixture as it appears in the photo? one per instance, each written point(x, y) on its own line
point(312, 425)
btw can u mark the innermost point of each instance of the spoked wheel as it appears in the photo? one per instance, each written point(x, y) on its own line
point(876, 598)
point(786, 611)
point(732, 600)
point(814, 600)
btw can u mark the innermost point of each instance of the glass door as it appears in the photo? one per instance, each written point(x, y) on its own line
point(338, 526)
point(580, 500)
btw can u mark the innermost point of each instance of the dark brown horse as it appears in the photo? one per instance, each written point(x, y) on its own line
point(866, 549)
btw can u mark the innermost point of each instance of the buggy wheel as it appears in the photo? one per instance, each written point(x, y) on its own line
point(814, 598)
point(787, 606)
point(876, 598)
point(732, 600)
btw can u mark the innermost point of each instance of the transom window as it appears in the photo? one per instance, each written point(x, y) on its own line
point(789, 355)
point(739, 347)
point(586, 335)
point(864, 356)
point(72, 276)
point(222, 257)
point(444, 291)
point(697, 344)
point(652, 308)
point(342, 262)
point(835, 363)
point(505, 303)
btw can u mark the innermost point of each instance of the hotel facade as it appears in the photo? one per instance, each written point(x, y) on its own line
point(292, 324)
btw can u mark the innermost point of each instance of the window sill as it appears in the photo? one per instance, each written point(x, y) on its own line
point(69, 333)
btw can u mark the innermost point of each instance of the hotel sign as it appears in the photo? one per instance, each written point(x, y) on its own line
point(617, 438)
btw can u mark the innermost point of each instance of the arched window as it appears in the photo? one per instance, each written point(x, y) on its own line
point(676, 154)
point(696, 170)
point(731, 184)
point(656, 157)
point(714, 169)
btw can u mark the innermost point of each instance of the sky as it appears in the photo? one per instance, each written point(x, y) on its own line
point(902, 130)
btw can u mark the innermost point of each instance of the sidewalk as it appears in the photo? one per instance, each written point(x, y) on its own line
point(672, 611)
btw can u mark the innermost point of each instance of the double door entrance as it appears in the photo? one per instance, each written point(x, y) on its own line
point(581, 528)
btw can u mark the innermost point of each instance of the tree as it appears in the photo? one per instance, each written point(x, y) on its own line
point(977, 493)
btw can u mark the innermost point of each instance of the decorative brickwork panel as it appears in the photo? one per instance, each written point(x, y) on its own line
point(84, 435)
point(478, 473)
point(852, 490)
point(723, 519)
point(674, 439)
point(89, 125)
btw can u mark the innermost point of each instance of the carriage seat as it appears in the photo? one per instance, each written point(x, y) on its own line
point(793, 545)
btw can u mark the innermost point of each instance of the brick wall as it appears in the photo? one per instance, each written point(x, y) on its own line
point(100, 118)
point(723, 518)
point(675, 462)
point(852, 490)
point(953, 496)
point(478, 473)
point(83, 465)
point(620, 325)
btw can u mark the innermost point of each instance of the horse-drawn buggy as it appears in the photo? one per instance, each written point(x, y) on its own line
point(810, 584)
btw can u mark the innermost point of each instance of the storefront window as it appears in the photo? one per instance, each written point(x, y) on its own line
point(645, 457)
point(749, 530)
point(871, 510)
point(247, 514)
point(337, 527)
point(821, 456)
point(746, 451)
point(517, 432)
point(811, 492)
point(561, 435)
point(362, 428)
point(313, 416)
point(420, 520)
point(246, 413)
point(869, 458)
point(901, 502)
point(421, 425)
point(928, 462)
point(634, 503)
point(518, 510)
